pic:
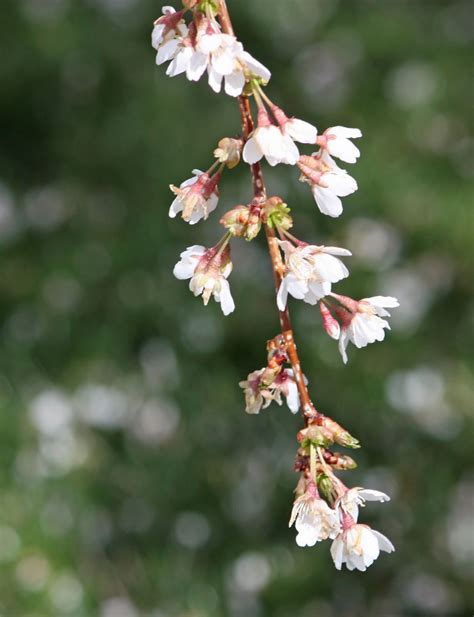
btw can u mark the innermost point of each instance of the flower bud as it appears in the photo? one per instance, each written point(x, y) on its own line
point(327, 488)
point(330, 323)
point(236, 220)
point(339, 435)
point(339, 461)
point(228, 151)
point(316, 435)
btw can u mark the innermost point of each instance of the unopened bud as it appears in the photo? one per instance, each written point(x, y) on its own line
point(339, 435)
point(330, 323)
point(228, 151)
point(327, 488)
point(236, 220)
point(316, 435)
point(338, 460)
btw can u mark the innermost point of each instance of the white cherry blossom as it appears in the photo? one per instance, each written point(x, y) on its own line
point(195, 50)
point(268, 141)
point(196, 197)
point(277, 143)
point(314, 520)
point(336, 140)
point(362, 321)
point(358, 546)
point(328, 182)
point(350, 501)
point(208, 270)
point(310, 270)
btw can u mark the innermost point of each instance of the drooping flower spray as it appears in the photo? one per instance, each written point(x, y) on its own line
point(199, 39)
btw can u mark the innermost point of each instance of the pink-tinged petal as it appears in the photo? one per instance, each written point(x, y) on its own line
point(327, 201)
point(251, 152)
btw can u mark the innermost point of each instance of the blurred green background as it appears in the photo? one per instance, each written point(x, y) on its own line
point(132, 483)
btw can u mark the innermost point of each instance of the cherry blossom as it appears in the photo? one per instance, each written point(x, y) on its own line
point(362, 321)
point(358, 546)
point(314, 520)
point(310, 270)
point(328, 182)
point(277, 143)
point(203, 47)
point(208, 270)
point(196, 197)
point(336, 140)
point(350, 501)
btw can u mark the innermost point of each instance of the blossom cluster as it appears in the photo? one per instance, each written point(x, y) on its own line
point(354, 544)
point(324, 507)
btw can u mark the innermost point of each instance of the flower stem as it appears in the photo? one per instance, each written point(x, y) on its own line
point(260, 196)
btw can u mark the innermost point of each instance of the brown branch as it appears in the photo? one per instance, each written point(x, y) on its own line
point(260, 196)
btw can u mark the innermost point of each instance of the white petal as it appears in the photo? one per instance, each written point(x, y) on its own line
point(384, 542)
point(344, 131)
point(371, 495)
point(301, 131)
point(225, 298)
point(344, 150)
point(282, 296)
point(196, 67)
point(184, 269)
point(167, 51)
point(293, 399)
point(180, 62)
point(255, 66)
point(341, 184)
point(337, 549)
point(383, 301)
point(214, 79)
point(234, 83)
point(175, 208)
point(327, 201)
point(251, 152)
point(343, 342)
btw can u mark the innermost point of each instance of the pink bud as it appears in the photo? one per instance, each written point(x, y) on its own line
point(330, 323)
